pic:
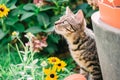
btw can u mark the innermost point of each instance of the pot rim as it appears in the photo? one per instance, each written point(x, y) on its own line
point(107, 5)
point(96, 19)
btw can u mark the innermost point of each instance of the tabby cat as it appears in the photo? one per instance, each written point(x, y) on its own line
point(81, 43)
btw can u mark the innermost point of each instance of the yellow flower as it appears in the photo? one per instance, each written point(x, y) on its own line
point(50, 74)
point(15, 33)
point(60, 65)
point(53, 60)
point(3, 10)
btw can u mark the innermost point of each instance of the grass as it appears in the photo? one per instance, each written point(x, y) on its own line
point(22, 62)
point(9, 69)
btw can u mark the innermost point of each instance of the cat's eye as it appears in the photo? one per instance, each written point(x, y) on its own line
point(69, 27)
point(65, 22)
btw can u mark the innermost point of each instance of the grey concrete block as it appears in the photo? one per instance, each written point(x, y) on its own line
point(108, 46)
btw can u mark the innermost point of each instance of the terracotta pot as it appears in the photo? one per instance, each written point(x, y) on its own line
point(110, 14)
point(75, 77)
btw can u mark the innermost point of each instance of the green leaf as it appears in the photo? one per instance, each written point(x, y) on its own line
point(43, 19)
point(17, 11)
point(2, 34)
point(11, 4)
point(33, 30)
point(38, 29)
point(11, 20)
point(19, 27)
point(46, 7)
point(26, 15)
point(4, 1)
point(89, 13)
point(49, 29)
point(12, 7)
point(54, 37)
point(84, 7)
point(5, 40)
point(54, 18)
point(49, 0)
point(62, 1)
point(51, 48)
point(30, 6)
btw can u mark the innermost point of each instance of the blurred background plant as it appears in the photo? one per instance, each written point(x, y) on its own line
point(31, 68)
point(36, 17)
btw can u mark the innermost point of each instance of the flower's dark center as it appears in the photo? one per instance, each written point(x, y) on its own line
point(1, 9)
point(53, 60)
point(59, 64)
point(52, 75)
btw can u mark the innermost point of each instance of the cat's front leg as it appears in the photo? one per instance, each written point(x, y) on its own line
point(90, 77)
point(84, 72)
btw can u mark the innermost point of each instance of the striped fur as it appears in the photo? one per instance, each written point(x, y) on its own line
point(81, 43)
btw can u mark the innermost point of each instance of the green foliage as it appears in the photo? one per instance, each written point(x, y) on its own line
point(23, 65)
point(30, 18)
point(2, 34)
point(52, 41)
point(25, 16)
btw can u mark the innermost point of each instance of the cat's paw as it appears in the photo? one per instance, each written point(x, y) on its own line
point(85, 73)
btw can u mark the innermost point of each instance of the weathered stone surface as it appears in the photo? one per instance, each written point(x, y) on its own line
point(108, 45)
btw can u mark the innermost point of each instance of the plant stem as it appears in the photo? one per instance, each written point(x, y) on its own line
point(55, 3)
point(56, 11)
point(31, 50)
point(67, 71)
point(9, 52)
point(12, 47)
point(33, 75)
point(19, 53)
point(3, 25)
point(12, 57)
point(42, 73)
point(21, 42)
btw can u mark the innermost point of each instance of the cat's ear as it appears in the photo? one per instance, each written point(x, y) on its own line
point(79, 16)
point(68, 11)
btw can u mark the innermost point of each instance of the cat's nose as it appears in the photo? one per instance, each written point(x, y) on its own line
point(56, 23)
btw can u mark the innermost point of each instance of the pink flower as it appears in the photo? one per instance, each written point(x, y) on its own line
point(39, 3)
point(43, 44)
point(36, 1)
point(37, 44)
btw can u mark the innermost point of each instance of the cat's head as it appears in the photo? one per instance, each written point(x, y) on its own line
point(70, 23)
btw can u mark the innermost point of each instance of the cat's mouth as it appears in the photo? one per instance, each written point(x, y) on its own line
point(57, 26)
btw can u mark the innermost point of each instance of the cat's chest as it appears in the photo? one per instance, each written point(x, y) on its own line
point(76, 55)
